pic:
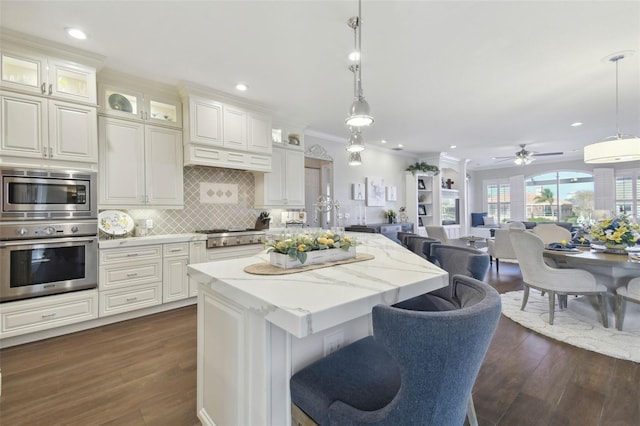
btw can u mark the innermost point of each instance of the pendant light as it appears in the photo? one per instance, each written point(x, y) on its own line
point(355, 141)
point(359, 115)
point(355, 159)
point(618, 148)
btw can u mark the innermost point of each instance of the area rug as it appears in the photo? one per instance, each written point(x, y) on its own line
point(573, 328)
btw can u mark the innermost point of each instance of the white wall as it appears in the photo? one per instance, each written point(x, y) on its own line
point(379, 163)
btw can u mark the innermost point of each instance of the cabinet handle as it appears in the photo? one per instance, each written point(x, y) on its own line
point(46, 316)
point(134, 274)
point(131, 299)
point(175, 250)
point(50, 89)
point(44, 152)
point(141, 115)
point(131, 254)
point(43, 88)
point(146, 115)
point(50, 152)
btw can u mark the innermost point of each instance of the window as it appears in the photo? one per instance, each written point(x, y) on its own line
point(559, 197)
point(498, 201)
point(628, 193)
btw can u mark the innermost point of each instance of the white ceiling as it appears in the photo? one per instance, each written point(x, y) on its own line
point(483, 75)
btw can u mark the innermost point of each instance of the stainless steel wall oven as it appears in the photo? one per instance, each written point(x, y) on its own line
point(48, 232)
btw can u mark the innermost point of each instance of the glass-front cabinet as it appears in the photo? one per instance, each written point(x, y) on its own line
point(127, 103)
point(47, 76)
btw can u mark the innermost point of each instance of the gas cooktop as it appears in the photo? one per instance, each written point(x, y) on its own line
point(224, 231)
point(232, 237)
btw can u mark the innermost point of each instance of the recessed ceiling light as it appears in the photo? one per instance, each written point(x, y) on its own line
point(76, 33)
point(400, 145)
point(383, 141)
point(242, 87)
point(576, 124)
point(452, 146)
point(354, 56)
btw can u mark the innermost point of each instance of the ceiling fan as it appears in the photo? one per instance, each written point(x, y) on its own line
point(524, 157)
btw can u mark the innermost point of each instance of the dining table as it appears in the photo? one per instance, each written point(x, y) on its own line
point(610, 269)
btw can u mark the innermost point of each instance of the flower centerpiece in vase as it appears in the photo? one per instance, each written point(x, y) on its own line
point(616, 233)
point(293, 251)
point(390, 215)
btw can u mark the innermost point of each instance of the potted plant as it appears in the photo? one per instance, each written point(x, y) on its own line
point(423, 167)
point(390, 215)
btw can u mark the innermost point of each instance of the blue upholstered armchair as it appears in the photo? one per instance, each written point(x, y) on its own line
point(419, 367)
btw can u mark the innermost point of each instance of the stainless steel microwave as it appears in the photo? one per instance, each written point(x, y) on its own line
point(31, 194)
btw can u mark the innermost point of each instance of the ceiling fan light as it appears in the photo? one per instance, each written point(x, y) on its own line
point(618, 150)
point(355, 159)
point(359, 114)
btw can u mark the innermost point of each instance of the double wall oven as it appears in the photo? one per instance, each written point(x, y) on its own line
point(48, 232)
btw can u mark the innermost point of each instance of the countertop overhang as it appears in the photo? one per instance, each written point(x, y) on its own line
point(308, 302)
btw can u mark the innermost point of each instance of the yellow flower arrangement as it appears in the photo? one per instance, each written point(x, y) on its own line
point(297, 245)
point(619, 231)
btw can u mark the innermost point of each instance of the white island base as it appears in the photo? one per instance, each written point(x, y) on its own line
point(255, 331)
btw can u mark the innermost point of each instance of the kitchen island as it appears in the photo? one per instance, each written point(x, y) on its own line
point(255, 331)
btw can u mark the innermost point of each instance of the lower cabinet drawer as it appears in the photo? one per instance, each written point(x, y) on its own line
point(125, 275)
point(128, 299)
point(27, 316)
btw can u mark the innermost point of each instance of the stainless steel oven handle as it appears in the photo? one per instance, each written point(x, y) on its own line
point(48, 241)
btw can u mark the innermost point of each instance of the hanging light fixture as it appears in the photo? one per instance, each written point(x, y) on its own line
point(359, 115)
point(355, 159)
point(618, 148)
point(355, 141)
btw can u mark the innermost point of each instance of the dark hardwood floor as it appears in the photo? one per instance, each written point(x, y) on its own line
point(143, 371)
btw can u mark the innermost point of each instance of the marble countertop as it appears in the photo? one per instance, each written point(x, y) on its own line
point(308, 302)
point(150, 239)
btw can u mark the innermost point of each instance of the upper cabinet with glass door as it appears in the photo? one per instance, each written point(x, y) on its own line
point(47, 76)
point(140, 105)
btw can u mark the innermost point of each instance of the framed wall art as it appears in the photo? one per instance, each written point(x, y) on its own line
point(421, 184)
point(375, 191)
point(392, 193)
point(357, 190)
point(422, 210)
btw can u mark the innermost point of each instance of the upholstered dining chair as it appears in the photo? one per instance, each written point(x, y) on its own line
point(628, 293)
point(417, 368)
point(500, 247)
point(404, 236)
point(550, 233)
point(438, 232)
point(455, 260)
point(536, 273)
point(422, 246)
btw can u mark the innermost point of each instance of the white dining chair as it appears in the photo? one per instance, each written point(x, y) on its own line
point(551, 233)
point(536, 273)
point(628, 293)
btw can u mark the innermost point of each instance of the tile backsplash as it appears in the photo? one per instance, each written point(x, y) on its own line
point(197, 215)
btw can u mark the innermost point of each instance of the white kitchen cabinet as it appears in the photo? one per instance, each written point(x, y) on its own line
point(225, 135)
point(43, 313)
point(140, 165)
point(31, 72)
point(283, 187)
point(130, 278)
point(259, 132)
point(197, 254)
point(149, 107)
point(45, 129)
point(205, 121)
point(234, 128)
point(175, 281)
